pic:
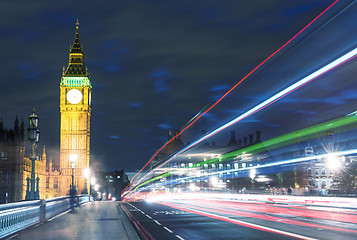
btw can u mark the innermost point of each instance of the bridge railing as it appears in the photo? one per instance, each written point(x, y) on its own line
point(15, 217)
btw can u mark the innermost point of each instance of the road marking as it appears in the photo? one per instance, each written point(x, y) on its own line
point(168, 230)
point(179, 237)
point(241, 223)
point(148, 216)
point(157, 222)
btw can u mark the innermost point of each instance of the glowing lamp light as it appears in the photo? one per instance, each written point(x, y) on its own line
point(93, 180)
point(73, 159)
point(333, 161)
point(192, 187)
point(252, 173)
point(214, 181)
point(86, 172)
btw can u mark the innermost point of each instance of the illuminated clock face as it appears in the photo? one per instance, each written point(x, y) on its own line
point(74, 96)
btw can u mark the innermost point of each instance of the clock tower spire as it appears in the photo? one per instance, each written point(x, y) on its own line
point(76, 66)
point(75, 108)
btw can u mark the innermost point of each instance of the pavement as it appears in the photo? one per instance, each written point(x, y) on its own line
point(93, 220)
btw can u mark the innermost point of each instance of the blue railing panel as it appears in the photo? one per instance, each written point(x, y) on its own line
point(15, 217)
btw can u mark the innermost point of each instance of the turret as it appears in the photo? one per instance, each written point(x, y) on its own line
point(233, 141)
point(16, 129)
point(22, 131)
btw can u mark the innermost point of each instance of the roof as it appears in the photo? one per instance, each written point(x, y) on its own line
point(76, 66)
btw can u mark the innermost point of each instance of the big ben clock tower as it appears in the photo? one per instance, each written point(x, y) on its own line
point(75, 107)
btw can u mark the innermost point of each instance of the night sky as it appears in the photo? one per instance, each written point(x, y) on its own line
point(155, 64)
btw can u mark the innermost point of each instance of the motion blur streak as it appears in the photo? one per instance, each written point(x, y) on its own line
point(341, 60)
point(218, 208)
point(263, 208)
point(306, 133)
point(283, 140)
point(250, 73)
point(295, 160)
point(238, 222)
point(350, 55)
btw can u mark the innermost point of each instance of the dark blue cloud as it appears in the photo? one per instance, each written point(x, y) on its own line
point(221, 87)
point(302, 9)
point(160, 73)
point(349, 94)
point(114, 137)
point(161, 85)
point(32, 75)
point(161, 80)
point(164, 126)
point(134, 104)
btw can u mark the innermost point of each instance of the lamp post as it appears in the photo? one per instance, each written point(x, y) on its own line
point(34, 137)
point(73, 191)
point(252, 174)
point(86, 174)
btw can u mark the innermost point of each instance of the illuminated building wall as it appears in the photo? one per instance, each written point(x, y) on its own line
point(75, 108)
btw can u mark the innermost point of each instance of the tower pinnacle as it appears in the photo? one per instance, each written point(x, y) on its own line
point(76, 66)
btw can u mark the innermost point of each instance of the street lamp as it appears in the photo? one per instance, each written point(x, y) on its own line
point(72, 190)
point(252, 174)
point(93, 181)
point(34, 137)
point(333, 162)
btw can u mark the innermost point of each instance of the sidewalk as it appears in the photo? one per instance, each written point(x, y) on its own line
point(94, 220)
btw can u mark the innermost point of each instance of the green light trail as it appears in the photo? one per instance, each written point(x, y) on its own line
point(311, 132)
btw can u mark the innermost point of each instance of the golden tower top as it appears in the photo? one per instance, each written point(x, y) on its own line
point(76, 66)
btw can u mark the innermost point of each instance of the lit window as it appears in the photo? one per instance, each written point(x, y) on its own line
point(55, 182)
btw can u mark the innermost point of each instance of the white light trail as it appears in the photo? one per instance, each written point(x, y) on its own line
point(279, 163)
point(348, 56)
point(345, 58)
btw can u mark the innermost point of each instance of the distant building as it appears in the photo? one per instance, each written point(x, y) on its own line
point(111, 184)
point(15, 167)
point(75, 107)
point(174, 145)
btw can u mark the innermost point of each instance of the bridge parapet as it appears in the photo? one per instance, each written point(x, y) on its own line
point(15, 217)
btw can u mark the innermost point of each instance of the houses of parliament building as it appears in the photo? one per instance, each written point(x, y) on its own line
point(75, 108)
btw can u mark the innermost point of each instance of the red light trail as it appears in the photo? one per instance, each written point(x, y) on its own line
point(226, 210)
point(229, 91)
